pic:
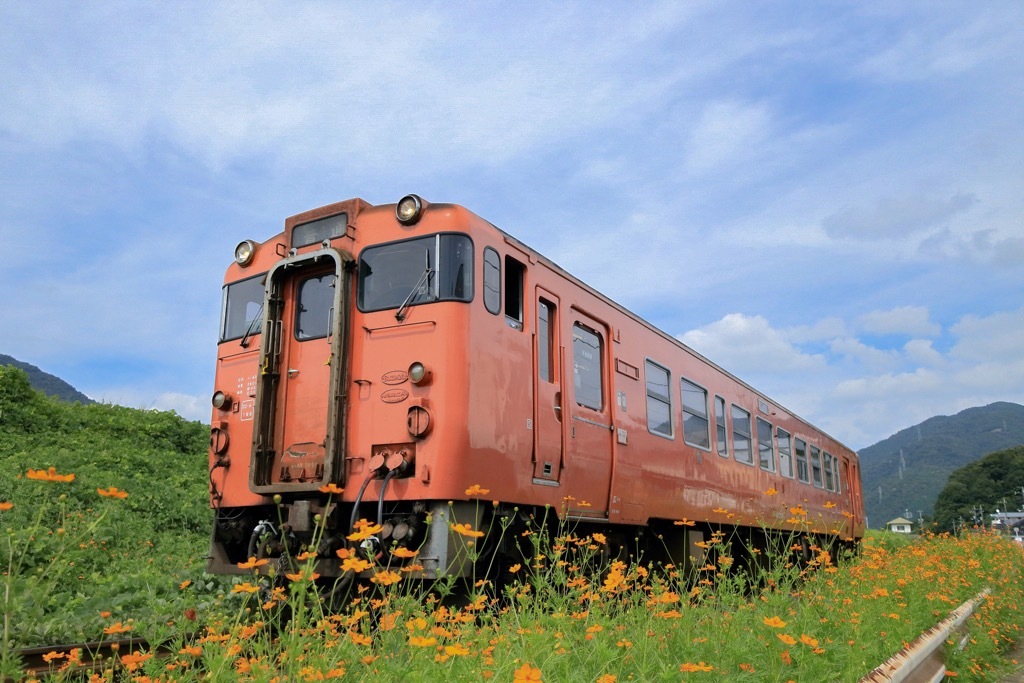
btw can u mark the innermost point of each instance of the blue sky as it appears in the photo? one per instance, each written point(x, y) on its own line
point(824, 198)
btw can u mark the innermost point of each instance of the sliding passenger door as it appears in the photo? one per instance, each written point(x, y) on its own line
point(590, 429)
point(548, 430)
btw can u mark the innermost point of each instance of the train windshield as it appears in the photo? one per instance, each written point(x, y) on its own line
point(425, 269)
point(242, 309)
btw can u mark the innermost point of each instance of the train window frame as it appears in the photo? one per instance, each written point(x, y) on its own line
point(803, 469)
point(460, 291)
point(315, 308)
point(721, 427)
point(764, 428)
point(579, 387)
point(692, 418)
point(741, 416)
point(664, 399)
point(816, 479)
point(515, 279)
point(827, 470)
point(835, 465)
point(245, 325)
point(492, 280)
point(785, 452)
point(545, 341)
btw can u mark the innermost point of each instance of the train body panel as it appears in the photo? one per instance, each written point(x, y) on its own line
point(404, 361)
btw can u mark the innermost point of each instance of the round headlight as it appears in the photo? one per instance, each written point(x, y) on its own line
point(409, 209)
point(419, 373)
point(221, 401)
point(245, 252)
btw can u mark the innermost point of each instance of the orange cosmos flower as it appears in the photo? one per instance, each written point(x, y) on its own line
point(787, 639)
point(475, 490)
point(117, 628)
point(364, 529)
point(830, 504)
point(184, 584)
point(386, 578)
point(527, 673)
point(404, 553)
point(302, 576)
point(685, 522)
point(599, 538)
point(112, 492)
point(244, 588)
point(689, 667)
point(467, 530)
point(456, 650)
point(808, 640)
point(774, 622)
point(331, 488)
point(355, 564)
point(252, 563)
point(720, 511)
point(49, 474)
point(6, 505)
point(771, 492)
point(422, 641)
point(104, 615)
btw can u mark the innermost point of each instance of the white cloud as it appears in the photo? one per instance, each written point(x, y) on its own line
point(905, 320)
point(748, 344)
point(920, 352)
point(871, 358)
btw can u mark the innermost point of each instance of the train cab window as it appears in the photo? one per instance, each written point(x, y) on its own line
point(545, 341)
point(721, 430)
point(816, 467)
point(314, 307)
point(785, 452)
point(695, 415)
point(492, 281)
point(802, 473)
point(415, 271)
point(828, 472)
point(765, 446)
point(514, 271)
point(242, 308)
point(741, 435)
point(659, 402)
point(587, 376)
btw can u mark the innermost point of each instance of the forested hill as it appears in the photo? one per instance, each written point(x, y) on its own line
point(909, 469)
point(45, 382)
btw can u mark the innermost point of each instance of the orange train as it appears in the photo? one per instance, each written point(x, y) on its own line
point(406, 352)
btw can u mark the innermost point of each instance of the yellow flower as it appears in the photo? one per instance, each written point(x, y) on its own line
point(244, 588)
point(112, 492)
point(252, 563)
point(466, 530)
point(49, 474)
point(774, 622)
point(422, 641)
point(456, 650)
point(331, 488)
point(685, 522)
point(527, 673)
point(475, 490)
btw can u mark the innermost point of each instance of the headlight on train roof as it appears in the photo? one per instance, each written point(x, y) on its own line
point(409, 209)
point(245, 252)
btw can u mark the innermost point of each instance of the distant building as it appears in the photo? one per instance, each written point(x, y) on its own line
point(1009, 523)
point(899, 526)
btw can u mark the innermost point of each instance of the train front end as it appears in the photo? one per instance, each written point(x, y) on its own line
point(341, 340)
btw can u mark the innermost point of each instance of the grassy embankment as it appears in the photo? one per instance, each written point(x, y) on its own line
point(82, 561)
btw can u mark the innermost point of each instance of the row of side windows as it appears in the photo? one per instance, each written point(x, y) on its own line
point(812, 465)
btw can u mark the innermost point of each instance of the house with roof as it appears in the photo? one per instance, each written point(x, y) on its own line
point(900, 526)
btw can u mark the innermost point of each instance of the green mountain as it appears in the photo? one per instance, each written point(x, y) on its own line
point(994, 482)
point(47, 383)
point(907, 471)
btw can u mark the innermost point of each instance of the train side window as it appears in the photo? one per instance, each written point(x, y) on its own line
point(545, 340)
point(765, 446)
point(785, 452)
point(514, 271)
point(741, 435)
point(802, 472)
point(587, 378)
point(721, 430)
point(695, 415)
point(492, 281)
point(659, 402)
point(816, 466)
point(835, 466)
point(828, 472)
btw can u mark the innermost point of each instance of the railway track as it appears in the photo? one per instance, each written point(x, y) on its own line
point(96, 656)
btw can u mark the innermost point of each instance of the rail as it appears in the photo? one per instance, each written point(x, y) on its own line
point(40, 662)
point(924, 659)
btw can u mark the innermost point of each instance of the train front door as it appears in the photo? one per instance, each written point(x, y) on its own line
point(590, 428)
point(296, 442)
point(548, 431)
